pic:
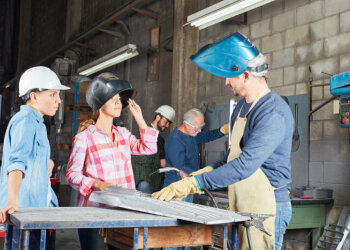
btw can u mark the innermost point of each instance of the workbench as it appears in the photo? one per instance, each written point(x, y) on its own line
point(306, 213)
point(309, 214)
point(25, 219)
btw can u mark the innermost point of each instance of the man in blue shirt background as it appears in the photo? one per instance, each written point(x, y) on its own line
point(257, 167)
point(181, 147)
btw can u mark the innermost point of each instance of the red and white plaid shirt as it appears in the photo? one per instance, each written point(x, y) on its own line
point(95, 157)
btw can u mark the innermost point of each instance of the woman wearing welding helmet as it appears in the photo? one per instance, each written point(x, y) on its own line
point(101, 152)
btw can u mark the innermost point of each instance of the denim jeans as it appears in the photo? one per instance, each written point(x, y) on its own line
point(283, 216)
point(145, 187)
point(35, 237)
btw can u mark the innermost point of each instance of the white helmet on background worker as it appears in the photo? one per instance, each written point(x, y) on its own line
point(166, 111)
point(41, 78)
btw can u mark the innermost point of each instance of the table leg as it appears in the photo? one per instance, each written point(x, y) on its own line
point(224, 245)
point(16, 239)
point(43, 239)
point(25, 242)
point(8, 236)
point(145, 238)
point(234, 236)
point(136, 238)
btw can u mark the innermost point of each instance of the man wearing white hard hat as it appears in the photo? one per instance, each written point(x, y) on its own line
point(144, 166)
point(25, 169)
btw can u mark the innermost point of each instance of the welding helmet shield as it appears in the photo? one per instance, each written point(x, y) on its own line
point(227, 57)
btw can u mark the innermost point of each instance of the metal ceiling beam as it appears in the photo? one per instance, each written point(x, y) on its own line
point(119, 14)
point(112, 33)
point(146, 13)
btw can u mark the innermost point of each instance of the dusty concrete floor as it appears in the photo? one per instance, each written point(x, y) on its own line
point(67, 239)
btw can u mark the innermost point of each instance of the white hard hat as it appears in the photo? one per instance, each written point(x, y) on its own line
point(39, 77)
point(166, 111)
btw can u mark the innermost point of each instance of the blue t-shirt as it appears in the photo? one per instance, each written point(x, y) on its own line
point(181, 152)
point(266, 143)
point(26, 148)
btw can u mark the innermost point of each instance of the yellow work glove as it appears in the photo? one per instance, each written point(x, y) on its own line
point(178, 190)
point(202, 170)
point(225, 129)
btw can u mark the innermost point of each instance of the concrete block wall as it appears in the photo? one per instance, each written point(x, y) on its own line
point(295, 35)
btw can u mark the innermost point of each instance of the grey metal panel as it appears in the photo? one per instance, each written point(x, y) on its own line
point(299, 159)
point(215, 150)
point(137, 201)
point(85, 217)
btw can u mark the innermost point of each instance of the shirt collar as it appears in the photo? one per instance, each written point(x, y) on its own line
point(32, 111)
point(93, 129)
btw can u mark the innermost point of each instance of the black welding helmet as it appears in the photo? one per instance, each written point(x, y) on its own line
point(104, 87)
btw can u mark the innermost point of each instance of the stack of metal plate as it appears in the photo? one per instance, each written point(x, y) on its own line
point(137, 201)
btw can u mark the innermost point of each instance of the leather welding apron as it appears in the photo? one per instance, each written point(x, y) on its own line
point(254, 194)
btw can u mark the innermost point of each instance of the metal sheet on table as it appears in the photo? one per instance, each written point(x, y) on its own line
point(137, 201)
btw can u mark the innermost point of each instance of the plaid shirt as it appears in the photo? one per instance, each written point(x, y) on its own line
point(95, 157)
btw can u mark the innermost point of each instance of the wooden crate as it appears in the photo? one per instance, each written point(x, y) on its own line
point(82, 91)
point(189, 235)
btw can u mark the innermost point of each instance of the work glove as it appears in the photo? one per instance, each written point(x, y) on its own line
point(178, 190)
point(225, 129)
point(202, 170)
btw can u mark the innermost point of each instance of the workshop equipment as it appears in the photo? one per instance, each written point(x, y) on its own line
point(340, 84)
point(296, 137)
point(344, 111)
point(179, 172)
point(334, 236)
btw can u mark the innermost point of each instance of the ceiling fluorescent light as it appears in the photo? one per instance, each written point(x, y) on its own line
point(115, 57)
point(222, 11)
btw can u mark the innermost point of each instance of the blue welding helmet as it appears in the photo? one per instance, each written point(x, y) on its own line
point(227, 57)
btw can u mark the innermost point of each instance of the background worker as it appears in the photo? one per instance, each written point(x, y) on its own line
point(145, 165)
point(26, 164)
point(101, 152)
point(181, 147)
point(257, 167)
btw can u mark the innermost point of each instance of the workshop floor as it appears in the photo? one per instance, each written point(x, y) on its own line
point(67, 239)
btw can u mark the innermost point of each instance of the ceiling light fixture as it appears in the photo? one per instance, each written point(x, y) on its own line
point(124, 53)
point(222, 11)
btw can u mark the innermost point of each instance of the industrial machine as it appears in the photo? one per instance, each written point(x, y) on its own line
point(340, 86)
point(344, 111)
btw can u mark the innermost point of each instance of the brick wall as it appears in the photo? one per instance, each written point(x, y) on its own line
point(296, 34)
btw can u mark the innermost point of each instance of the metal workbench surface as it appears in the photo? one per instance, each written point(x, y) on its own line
point(86, 217)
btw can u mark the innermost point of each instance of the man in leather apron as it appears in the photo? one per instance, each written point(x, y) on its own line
point(257, 167)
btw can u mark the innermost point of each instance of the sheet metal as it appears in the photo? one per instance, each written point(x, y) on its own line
point(137, 201)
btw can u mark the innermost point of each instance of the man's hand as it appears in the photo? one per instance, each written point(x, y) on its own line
point(178, 190)
point(6, 211)
point(202, 170)
point(225, 129)
point(100, 185)
point(51, 166)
